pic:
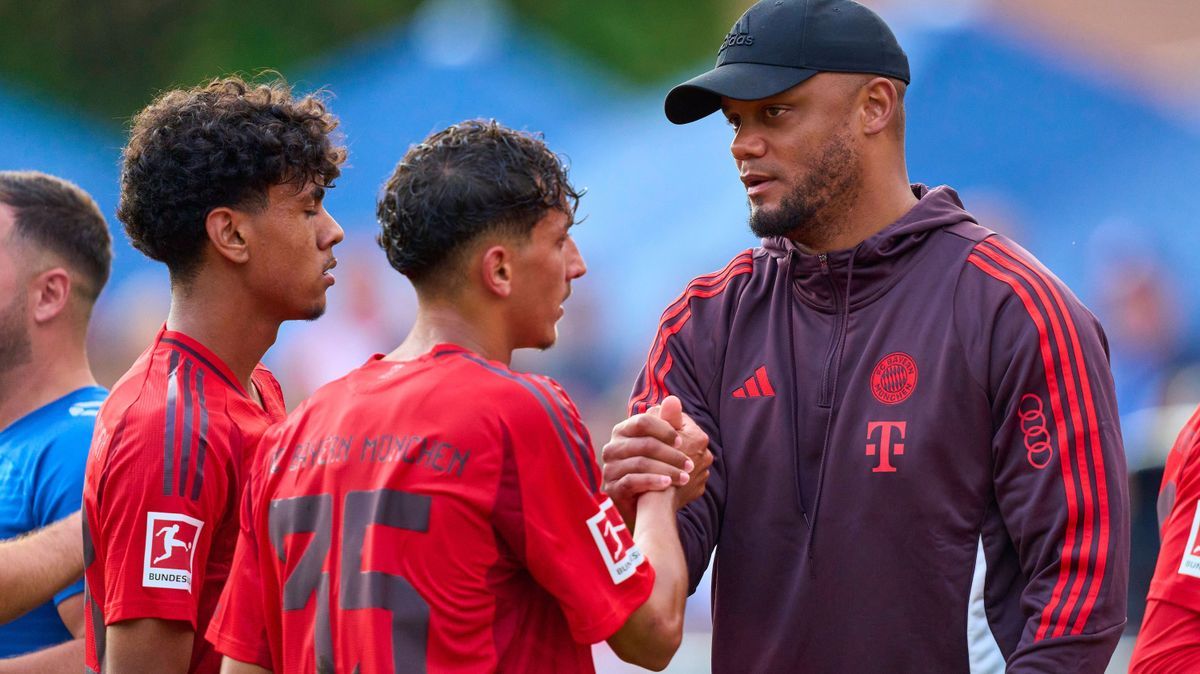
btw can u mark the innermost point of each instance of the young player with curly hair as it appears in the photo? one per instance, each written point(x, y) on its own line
point(433, 510)
point(223, 184)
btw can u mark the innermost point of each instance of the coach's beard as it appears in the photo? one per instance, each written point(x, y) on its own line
point(809, 215)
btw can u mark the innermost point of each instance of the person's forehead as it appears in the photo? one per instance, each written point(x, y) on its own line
point(294, 192)
point(556, 219)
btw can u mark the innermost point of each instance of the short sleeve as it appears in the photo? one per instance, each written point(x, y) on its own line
point(58, 482)
point(166, 489)
point(238, 628)
point(574, 541)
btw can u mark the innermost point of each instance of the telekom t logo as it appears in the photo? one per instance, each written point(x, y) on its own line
point(887, 444)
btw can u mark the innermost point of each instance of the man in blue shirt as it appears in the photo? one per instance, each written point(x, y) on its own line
point(55, 255)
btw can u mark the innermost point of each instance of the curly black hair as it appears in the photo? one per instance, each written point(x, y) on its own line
point(472, 178)
point(221, 144)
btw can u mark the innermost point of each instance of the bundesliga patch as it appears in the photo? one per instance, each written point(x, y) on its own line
point(170, 546)
point(620, 555)
point(1190, 566)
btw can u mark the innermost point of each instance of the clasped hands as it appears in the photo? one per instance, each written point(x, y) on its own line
point(659, 449)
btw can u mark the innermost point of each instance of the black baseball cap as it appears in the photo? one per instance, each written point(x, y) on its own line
point(778, 44)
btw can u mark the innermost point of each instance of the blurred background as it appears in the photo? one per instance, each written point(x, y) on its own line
point(1071, 125)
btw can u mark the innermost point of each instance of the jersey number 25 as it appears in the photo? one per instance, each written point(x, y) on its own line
point(359, 589)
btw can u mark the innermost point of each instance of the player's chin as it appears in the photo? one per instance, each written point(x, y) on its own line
point(548, 340)
point(313, 310)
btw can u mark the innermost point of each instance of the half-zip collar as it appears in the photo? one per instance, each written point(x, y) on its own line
point(879, 262)
point(842, 281)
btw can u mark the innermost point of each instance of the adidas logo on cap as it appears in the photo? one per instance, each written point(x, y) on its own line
point(739, 35)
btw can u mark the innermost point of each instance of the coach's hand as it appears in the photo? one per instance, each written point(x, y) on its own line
point(653, 450)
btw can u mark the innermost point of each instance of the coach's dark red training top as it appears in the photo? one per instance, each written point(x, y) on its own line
point(164, 480)
point(438, 515)
point(918, 463)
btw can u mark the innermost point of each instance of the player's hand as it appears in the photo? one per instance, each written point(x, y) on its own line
point(650, 451)
point(695, 446)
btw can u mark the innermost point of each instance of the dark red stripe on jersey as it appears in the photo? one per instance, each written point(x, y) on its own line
point(1094, 450)
point(202, 441)
point(563, 416)
point(574, 423)
point(1068, 561)
point(702, 287)
point(508, 523)
point(169, 426)
point(572, 452)
point(185, 439)
point(207, 363)
point(99, 629)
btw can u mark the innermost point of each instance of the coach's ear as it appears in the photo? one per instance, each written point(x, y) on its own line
point(496, 270)
point(223, 225)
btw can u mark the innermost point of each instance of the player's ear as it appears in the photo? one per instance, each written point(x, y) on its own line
point(52, 290)
point(225, 227)
point(496, 270)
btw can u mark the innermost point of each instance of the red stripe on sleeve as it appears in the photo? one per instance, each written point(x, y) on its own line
point(1067, 560)
point(678, 306)
point(1096, 450)
point(1084, 551)
point(702, 287)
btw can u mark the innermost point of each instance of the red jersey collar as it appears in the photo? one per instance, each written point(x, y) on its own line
point(178, 340)
point(438, 350)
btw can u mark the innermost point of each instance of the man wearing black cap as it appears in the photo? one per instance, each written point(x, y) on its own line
point(917, 464)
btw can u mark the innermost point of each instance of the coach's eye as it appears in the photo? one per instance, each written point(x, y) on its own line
point(733, 121)
point(774, 111)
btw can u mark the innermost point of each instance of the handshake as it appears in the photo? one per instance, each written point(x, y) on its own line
point(660, 449)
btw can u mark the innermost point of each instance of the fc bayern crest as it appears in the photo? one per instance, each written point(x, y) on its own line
point(894, 378)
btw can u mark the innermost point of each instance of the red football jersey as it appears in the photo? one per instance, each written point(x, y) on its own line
point(169, 457)
point(440, 514)
point(1171, 627)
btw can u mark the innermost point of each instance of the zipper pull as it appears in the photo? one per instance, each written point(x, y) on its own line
point(824, 261)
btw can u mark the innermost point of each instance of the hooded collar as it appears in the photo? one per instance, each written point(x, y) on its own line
point(873, 266)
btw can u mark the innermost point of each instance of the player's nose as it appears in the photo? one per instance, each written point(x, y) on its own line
point(576, 267)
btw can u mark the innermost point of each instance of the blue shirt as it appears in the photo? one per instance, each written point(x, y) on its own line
point(42, 459)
